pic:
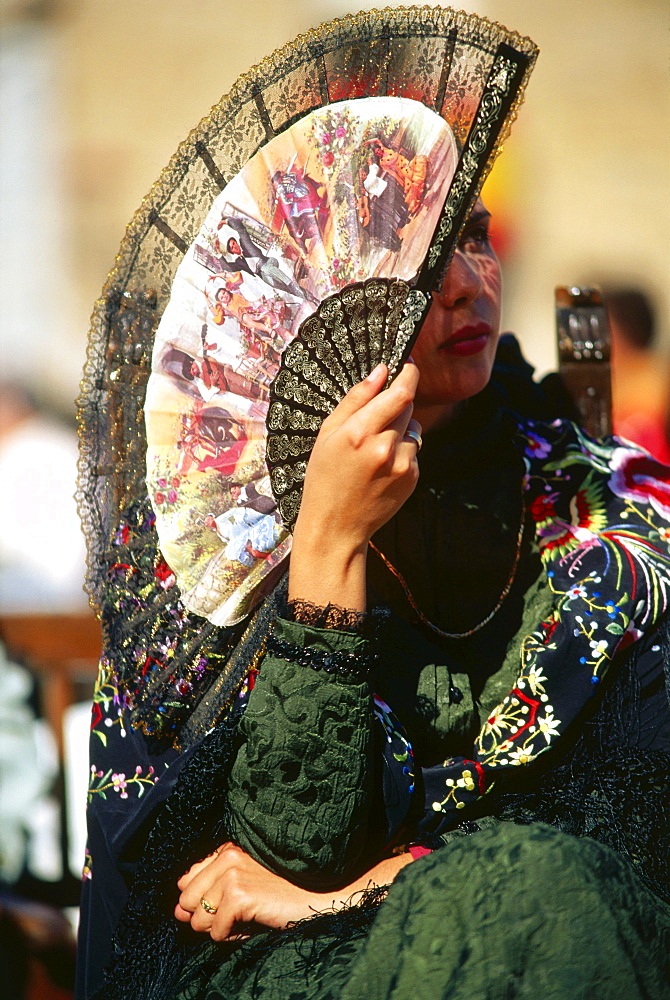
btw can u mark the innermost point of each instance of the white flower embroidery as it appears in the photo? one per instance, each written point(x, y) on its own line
point(547, 725)
point(535, 678)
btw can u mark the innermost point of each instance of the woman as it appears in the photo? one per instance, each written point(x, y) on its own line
point(512, 549)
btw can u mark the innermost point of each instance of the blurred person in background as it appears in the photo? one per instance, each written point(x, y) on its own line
point(640, 378)
point(37, 945)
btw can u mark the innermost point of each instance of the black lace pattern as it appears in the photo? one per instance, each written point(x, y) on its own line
point(330, 616)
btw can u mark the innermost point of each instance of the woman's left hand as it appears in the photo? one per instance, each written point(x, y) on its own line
point(245, 893)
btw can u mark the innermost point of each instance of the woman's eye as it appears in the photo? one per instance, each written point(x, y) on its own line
point(475, 239)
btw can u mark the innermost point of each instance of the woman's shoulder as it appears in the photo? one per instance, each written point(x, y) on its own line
point(601, 515)
point(562, 453)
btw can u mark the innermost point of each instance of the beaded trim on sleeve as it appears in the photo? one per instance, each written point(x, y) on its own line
point(355, 666)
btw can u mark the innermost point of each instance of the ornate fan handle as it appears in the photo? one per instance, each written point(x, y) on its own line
point(351, 332)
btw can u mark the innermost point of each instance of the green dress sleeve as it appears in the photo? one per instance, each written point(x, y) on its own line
point(302, 786)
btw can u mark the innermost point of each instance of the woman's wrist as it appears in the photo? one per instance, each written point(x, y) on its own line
point(325, 573)
point(383, 874)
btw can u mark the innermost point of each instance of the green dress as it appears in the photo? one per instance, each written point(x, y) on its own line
point(546, 878)
point(506, 911)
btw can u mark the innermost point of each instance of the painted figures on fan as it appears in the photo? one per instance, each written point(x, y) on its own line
point(360, 181)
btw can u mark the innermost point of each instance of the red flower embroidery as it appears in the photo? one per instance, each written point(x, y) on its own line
point(542, 508)
point(164, 575)
point(96, 715)
point(639, 478)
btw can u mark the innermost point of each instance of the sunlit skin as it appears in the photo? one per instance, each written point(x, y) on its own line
point(362, 469)
point(457, 344)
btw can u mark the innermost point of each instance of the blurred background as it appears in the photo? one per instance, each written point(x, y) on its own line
point(94, 98)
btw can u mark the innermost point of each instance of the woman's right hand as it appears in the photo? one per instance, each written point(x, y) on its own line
point(241, 895)
point(361, 471)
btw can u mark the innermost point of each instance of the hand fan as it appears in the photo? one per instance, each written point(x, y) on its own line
point(345, 167)
point(312, 224)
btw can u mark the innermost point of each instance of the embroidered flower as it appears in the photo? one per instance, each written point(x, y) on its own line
point(494, 723)
point(547, 725)
point(641, 479)
point(122, 535)
point(535, 678)
point(521, 756)
point(536, 446)
point(120, 784)
point(164, 575)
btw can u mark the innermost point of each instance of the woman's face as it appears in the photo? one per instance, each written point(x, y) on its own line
point(457, 344)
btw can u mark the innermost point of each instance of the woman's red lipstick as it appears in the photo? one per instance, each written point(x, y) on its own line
point(468, 340)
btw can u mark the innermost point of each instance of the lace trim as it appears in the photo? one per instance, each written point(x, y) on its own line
point(330, 616)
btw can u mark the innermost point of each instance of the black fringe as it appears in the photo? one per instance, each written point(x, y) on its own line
point(613, 784)
point(150, 947)
point(313, 939)
point(153, 956)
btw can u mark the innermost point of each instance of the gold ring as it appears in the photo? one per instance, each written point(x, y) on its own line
point(415, 437)
point(209, 907)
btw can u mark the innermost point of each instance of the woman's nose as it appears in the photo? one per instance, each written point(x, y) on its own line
point(462, 283)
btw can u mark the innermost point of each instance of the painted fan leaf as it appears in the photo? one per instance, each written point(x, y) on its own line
point(320, 232)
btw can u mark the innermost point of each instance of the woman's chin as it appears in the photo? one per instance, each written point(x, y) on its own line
point(450, 391)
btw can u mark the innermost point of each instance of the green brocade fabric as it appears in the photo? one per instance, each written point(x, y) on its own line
point(510, 911)
point(301, 785)
point(522, 912)
point(302, 793)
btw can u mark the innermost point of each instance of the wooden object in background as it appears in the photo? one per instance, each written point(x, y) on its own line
point(62, 650)
point(583, 334)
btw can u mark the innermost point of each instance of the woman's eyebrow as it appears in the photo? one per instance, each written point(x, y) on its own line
point(478, 215)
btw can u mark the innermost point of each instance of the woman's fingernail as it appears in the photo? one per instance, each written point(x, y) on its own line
point(410, 360)
point(374, 373)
